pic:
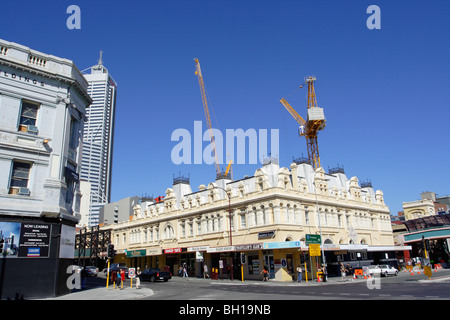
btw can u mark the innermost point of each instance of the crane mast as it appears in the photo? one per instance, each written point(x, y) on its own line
point(316, 122)
point(198, 73)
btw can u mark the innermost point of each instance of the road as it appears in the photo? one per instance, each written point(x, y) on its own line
point(402, 287)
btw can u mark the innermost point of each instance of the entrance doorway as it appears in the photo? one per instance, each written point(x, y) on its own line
point(268, 262)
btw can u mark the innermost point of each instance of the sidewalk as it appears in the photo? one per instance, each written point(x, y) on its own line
point(101, 293)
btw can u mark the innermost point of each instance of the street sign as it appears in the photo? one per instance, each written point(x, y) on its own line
point(314, 250)
point(132, 273)
point(312, 238)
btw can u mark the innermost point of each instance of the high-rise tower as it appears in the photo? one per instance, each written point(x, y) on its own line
point(98, 142)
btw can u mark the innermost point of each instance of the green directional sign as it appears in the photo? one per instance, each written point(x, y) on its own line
point(313, 239)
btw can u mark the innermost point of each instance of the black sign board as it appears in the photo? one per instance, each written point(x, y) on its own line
point(34, 240)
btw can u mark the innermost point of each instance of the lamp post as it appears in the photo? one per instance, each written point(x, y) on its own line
point(231, 235)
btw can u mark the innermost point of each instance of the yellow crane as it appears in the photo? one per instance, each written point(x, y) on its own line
point(316, 121)
point(198, 73)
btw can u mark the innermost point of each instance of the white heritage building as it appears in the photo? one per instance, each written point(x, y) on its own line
point(43, 101)
point(272, 212)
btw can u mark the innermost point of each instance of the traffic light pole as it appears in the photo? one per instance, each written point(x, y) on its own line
point(107, 277)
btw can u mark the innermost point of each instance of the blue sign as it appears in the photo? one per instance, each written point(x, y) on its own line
point(281, 245)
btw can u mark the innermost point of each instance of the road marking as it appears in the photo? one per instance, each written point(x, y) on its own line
point(326, 293)
point(363, 294)
point(431, 296)
point(384, 295)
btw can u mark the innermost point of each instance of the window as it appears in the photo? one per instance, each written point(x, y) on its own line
point(28, 116)
point(243, 221)
point(168, 232)
point(19, 178)
point(73, 142)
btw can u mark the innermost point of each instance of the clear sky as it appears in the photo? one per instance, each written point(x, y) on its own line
point(385, 92)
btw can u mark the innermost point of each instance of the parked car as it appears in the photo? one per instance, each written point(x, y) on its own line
point(116, 267)
point(91, 271)
point(383, 270)
point(154, 274)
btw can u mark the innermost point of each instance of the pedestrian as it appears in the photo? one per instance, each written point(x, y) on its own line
point(118, 279)
point(299, 273)
point(138, 278)
point(185, 273)
point(350, 271)
point(265, 273)
point(205, 271)
point(180, 271)
point(342, 272)
point(83, 275)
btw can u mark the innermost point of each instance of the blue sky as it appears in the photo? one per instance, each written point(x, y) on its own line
point(385, 93)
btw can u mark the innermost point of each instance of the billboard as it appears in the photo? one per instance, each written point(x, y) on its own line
point(30, 240)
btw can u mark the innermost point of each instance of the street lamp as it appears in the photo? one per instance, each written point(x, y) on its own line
point(231, 235)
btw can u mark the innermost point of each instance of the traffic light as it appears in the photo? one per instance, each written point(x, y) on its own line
point(111, 251)
point(427, 245)
point(302, 258)
point(1, 245)
point(243, 258)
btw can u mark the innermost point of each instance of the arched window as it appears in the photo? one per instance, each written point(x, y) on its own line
point(168, 232)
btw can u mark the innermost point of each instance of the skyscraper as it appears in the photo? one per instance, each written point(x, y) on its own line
point(98, 142)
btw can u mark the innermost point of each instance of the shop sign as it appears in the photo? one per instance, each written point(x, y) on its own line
point(153, 252)
point(200, 248)
point(220, 249)
point(266, 235)
point(136, 253)
point(174, 250)
point(199, 256)
point(281, 245)
point(247, 247)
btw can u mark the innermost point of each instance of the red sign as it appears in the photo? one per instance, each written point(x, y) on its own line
point(173, 250)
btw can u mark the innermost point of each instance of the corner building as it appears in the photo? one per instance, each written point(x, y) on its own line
point(271, 214)
point(43, 100)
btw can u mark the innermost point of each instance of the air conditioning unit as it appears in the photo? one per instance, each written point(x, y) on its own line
point(24, 192)
point(32, 129)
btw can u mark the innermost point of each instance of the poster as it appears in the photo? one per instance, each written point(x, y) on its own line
point(10, 234)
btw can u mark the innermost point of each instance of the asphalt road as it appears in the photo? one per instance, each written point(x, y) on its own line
point(402, 287)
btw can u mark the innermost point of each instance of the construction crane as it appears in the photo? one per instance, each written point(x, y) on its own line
point(316, 121)
point(198, 73)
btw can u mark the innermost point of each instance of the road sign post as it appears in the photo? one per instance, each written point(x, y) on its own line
point(131, 275)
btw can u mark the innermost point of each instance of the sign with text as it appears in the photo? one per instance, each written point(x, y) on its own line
point(34, 240)
point(312, 238)
point(314, 250)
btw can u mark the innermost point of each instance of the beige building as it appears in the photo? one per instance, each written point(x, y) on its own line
point(420, 208)
point(271, 214)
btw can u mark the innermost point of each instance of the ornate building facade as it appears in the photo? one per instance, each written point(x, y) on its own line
point(271, 214)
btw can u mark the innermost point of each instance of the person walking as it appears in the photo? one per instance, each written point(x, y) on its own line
point(205, 271)
point(342, 272)
point(299, 274)
point(185, 273)
point(138, 278)
point(349, 270)
point(265, 273)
